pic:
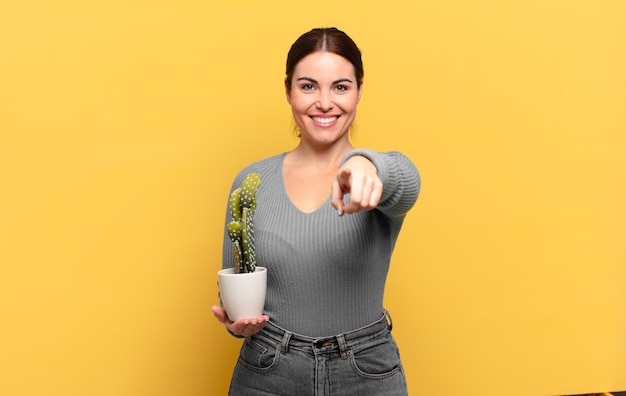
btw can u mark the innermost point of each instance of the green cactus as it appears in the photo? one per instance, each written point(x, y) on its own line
point(235, 204)
point(241, 229)
point(247, 237)
point(248, 190)
point(234, 232)
point(219, 295)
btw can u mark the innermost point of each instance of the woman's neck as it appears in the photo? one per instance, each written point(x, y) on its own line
point(323, 157)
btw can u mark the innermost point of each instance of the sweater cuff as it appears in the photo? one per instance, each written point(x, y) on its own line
point(376, 159)
point(234, 335)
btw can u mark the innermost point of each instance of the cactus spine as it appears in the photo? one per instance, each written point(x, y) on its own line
point(241, 228)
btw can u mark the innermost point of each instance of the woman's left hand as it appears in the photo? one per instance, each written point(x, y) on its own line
point(359, 177)
point(240, 327)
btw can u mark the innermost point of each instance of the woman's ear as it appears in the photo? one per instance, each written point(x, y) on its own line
point(358, 99)
point(287, 91)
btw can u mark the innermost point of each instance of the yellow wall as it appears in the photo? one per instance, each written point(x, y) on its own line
point(122, 124)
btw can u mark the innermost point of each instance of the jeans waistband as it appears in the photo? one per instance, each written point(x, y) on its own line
point(341, 341)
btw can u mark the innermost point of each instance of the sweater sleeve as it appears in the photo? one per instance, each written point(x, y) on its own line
point(400, 177)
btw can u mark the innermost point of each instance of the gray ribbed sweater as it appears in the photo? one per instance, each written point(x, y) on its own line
point(327, 273)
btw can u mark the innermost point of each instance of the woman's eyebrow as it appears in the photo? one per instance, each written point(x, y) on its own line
point(314, 81)
point(309, 79)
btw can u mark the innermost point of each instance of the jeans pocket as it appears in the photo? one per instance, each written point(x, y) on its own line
point(378, 359)
point(258, 354)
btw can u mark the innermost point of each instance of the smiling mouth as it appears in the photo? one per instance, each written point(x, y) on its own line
point(325, 120)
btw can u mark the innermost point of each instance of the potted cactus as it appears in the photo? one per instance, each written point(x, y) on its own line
point(242, 287)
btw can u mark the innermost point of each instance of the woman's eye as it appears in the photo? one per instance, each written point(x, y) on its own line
point(341, 88)
point(307, 87)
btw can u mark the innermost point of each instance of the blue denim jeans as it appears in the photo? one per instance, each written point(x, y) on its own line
point(275, 361)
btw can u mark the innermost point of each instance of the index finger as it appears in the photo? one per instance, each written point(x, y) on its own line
point(336, 197)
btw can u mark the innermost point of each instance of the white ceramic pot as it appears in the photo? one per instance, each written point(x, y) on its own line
point(243, 295)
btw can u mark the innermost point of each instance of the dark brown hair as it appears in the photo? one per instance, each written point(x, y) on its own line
point(324, 39)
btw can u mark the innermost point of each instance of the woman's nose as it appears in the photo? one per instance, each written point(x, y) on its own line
point(325, 102)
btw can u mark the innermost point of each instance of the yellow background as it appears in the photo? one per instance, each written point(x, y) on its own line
point(123, 123)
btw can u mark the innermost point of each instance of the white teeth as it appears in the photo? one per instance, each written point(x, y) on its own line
point(324, 120)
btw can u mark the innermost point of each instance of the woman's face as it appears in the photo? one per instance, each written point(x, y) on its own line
point(323, 97)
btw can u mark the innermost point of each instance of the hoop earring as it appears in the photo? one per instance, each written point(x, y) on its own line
point(297, 131)
point(352, 129)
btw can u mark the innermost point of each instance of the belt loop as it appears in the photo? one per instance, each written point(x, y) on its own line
point(343, 347)
point(284, 344)
point(388, 320)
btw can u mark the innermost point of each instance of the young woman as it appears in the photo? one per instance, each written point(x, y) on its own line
point(326, 223)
